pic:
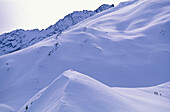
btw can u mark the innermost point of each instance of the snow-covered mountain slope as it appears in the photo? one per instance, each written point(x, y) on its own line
point(75, 92)
point(19, 39)
point(125, 46)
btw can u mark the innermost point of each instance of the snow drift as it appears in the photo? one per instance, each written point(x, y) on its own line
point(125, 46)
point(75, 92)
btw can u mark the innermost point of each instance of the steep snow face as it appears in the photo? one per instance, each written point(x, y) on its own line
point(123, 43)
point(19, 39)
point(75, 92)
point(125, 46)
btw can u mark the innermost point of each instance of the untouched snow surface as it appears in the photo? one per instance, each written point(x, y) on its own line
point(126, 46)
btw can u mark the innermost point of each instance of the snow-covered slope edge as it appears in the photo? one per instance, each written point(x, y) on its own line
point(75, 92)
point(19, 39)
point(122, 47)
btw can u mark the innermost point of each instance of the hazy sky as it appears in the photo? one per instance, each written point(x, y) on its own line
point(31, 14)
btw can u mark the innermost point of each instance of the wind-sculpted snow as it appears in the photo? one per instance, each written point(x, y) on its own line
point(75, 92)
point(19, 39)
point(126, 46)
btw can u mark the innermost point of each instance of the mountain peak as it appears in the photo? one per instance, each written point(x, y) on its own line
point(103, 7)
point(19, 39)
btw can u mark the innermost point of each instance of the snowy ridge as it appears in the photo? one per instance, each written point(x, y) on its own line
point(126, 46)
point(19, 39)
point(75, 92)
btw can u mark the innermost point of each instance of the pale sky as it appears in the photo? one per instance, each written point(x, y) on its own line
point(31, 14)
